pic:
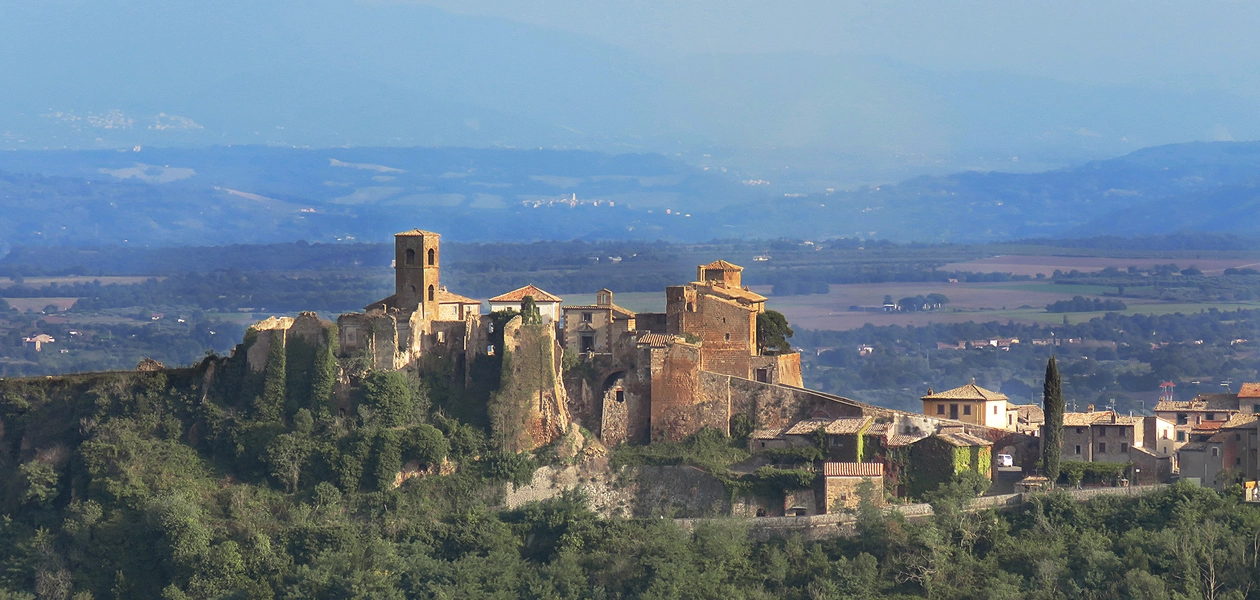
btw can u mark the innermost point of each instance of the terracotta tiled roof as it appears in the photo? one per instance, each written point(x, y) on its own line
point(1220, 437)
point(415, 232)
point(519, 294)
point(1207, 426)
point(723, 265)
point(656, 340)
point(1213, 402)
point(852, 469)
point(1102, 417)
point(1240, 420)
point(807, 427)
point(766, 434)
point(1193, 447)
point(903, 439)
point(390, 301)
point(1249, 390)
point(970, 391)
point(847, 426)
point(878, 428)
point(444, 297)
point(1028, 413)
point(963, 439)
point(616, 309)
point(737, 294)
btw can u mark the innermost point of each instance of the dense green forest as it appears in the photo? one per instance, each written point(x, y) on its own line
point(147, 485)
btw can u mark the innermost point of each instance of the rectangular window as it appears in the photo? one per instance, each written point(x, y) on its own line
point(1181, 419)
point(940, 409)
point(1102, 447)
point(1238, 461)
point(1080, 430)
point(1211, 416)
point(587, 317)
point(967, 409)
point(763, 375)
point(1124, 447)
point(1181, 436)
point(1078, 449)
point(1255, 408)
point(621, 396)
point(1216, 451)
point(1237, 437)
point(588, 343)
point(1102, 432)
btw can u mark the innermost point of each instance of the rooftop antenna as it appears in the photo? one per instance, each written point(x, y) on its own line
point(1228, 382)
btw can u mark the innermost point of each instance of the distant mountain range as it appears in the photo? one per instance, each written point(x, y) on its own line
point(260, 194)
point(81, 74)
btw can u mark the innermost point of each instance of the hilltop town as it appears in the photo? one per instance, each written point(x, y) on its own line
point(621, 377)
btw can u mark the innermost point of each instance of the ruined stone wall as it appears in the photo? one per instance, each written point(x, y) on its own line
point(653, 322)
point(530, 409)
point(784, 369)
point(772, 406)
point(842, 493)
point(678, 408)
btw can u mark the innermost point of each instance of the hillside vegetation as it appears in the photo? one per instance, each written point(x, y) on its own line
point(150, 485)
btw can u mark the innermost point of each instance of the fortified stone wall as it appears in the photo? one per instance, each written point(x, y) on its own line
point(727, 330)
point(783, 369)
point(678, 408)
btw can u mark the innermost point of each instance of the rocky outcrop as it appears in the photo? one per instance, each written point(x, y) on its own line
point(530, 410)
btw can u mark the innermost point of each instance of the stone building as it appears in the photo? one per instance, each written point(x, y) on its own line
point(1204, 408)
point(1105, 436)
point(593, 329)
point(841, 482)
point(970, 404)
point(420, 317)
point(548, 304)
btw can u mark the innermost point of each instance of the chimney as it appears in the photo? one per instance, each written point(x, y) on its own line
point(1089, 408)
point(929, 391)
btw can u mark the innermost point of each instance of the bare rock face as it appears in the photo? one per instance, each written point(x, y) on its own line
point(530, 410)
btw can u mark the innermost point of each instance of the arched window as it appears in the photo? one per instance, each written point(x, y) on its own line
point(430, 293)
point(432, 257)
point(411, 257)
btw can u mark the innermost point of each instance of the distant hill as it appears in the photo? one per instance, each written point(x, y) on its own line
point(1197, 186)
point(259, 194)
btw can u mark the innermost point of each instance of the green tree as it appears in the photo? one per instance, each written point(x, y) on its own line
point(41, 482)
point(287, 454)
point(270, 406)
point(424, 443)
point(323, 377)
point(389, 395)
point(772, 333)
point(529, 311)
point(388, 459)
point(1053, 405)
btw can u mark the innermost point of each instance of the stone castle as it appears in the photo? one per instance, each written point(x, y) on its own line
point(639, 377)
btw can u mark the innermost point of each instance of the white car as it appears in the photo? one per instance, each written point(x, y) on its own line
point(1005, 460)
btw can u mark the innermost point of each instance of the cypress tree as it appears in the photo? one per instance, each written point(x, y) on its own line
point(323, 379)
point(1052, 436)
point(270, 406)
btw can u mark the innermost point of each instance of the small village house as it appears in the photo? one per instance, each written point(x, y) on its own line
point(548, 304)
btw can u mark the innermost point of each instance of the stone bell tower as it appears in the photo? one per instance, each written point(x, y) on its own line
point(416, 270)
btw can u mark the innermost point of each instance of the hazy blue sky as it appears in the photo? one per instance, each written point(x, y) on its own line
point(1083, 41)
point(876, 89)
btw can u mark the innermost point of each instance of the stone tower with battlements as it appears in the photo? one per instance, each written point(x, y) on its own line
point(417, 261)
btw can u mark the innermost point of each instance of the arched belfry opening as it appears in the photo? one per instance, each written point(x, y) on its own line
point(411, 257)
point(432, 257)
point(431, 293)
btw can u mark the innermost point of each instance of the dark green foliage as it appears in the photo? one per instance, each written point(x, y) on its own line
point(323, 377)
point(1075, 471)
point(388, 458)
point(773, 333)
point(1083, 304)
point(742, 426)
point(426, 444)
point(707, 449)
point(389, 396)
point(269, 407)
point(1053, 406)
point(794, 455)
point(529, 311)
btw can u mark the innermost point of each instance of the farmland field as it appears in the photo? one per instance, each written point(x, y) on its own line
point(1046, 265)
